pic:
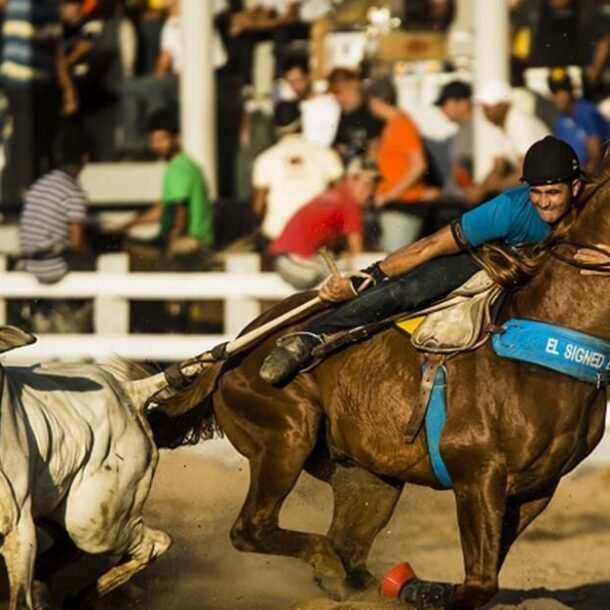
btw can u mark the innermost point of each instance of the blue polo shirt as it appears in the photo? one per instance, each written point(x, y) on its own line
point(587, 121)
point(510, 217)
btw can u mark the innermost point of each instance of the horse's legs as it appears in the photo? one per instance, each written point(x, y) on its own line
point(518, 516)
point(272, 477)
point(363, 506)
point(481, 506)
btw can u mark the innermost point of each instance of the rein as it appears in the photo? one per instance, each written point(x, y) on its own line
point(569, 260)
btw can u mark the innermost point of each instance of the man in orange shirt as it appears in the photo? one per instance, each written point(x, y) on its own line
point(402, 165)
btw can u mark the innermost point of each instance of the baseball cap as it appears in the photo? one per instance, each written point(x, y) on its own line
point(360, 167)
point(559, 80)
point(455, 90)
point(493, 92)
point(549, 161)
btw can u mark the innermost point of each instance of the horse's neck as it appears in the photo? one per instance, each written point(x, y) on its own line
point(561, 295)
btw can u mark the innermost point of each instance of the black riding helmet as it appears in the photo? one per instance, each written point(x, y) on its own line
point(549, 161)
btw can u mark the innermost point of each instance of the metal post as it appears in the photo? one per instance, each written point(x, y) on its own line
point(197, 87)
point(491, 63)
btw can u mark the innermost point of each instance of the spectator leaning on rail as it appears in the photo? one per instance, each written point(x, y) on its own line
point(424, 272)
point(291, 172)
point(578, 121)
point(52, 221)
point(185, 211)
point(326, 221)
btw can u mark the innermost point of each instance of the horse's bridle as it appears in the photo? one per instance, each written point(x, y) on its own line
point(569, 259)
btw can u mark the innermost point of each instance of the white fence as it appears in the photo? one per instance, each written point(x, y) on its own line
point(241, 287)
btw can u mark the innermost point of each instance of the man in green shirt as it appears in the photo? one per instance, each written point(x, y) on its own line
point(185, 212)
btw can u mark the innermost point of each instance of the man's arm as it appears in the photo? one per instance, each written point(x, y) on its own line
point(151, 214)
point(76, 239)
point(259, 204)
point(70, 98)
point(403, 260)
point(354, 243)
point(178, 227)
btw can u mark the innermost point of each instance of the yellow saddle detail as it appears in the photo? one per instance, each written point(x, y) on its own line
point(411, 325)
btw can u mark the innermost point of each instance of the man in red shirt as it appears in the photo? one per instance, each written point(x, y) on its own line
point(323, 222)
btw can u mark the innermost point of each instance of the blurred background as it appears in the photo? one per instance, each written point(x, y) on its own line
point(169, 168)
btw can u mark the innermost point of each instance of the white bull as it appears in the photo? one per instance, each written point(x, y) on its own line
point(75, 449)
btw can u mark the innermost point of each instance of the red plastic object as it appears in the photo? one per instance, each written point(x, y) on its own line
point(396, 579)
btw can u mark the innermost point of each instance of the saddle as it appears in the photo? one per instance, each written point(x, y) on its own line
point(458, 323)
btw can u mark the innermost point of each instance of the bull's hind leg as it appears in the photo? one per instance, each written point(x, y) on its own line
point(148, 545)
point(363, 506)
point(19, 551)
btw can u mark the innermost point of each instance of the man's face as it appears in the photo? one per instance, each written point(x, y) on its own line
point(495, 113)
point(552, 201)
point(562, 100)
point(362, 186)
point(348, 95)
point(71, 13)
point(458, 110)
point(298, 82)
point(162, 143)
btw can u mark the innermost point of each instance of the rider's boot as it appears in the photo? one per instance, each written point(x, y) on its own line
point(287, 358)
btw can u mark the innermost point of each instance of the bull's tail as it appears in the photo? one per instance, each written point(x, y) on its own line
point(187, 416)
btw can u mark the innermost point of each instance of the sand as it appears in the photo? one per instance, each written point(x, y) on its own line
point(561, 562)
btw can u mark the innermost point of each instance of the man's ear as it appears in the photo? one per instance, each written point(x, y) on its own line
point(576, 187)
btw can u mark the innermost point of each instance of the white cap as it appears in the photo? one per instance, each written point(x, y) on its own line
point(493, 92)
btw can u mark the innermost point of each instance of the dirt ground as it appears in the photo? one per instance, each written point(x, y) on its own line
point(561, 562)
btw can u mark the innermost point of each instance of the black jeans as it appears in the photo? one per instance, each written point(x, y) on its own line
point(419, 288)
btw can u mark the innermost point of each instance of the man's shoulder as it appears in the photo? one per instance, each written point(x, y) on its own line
point(183, 163)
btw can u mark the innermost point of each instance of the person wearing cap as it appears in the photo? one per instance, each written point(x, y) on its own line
point(421, 273)
point(185, 211)
point(291, 172)
point(512, 132)
point(326, 221)
point(446, 129)
point(578, 121)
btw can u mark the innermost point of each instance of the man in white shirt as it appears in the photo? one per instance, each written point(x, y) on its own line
point(292, 172)
point(513, 132)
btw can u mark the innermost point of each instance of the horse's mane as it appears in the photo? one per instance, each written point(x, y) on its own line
point(512, 269)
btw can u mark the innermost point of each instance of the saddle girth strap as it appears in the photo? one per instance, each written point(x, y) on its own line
point(432, 363)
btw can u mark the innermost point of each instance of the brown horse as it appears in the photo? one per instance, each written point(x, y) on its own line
point(512, 430)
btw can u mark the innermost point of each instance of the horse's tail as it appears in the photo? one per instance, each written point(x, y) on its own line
point(187, 417)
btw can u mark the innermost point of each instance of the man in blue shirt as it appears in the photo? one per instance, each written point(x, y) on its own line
point(578, 121)
point(35, 77)
point(425, 271)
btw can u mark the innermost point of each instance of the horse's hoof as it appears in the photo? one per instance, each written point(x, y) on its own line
point(361, 580)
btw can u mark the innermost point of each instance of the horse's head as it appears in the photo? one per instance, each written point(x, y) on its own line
point(592, 222)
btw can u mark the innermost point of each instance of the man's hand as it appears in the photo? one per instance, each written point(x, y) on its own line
point(336, 290)
point(593, 257)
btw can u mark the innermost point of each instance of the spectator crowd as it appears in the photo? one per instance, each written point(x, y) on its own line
point(338, 162)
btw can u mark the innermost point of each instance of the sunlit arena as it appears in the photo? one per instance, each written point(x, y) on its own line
point(304, 304)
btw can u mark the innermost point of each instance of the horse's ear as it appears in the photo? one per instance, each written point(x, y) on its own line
point(12, 337)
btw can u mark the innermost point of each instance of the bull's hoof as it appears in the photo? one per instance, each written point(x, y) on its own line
point(41, 597)
point(402, 583)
